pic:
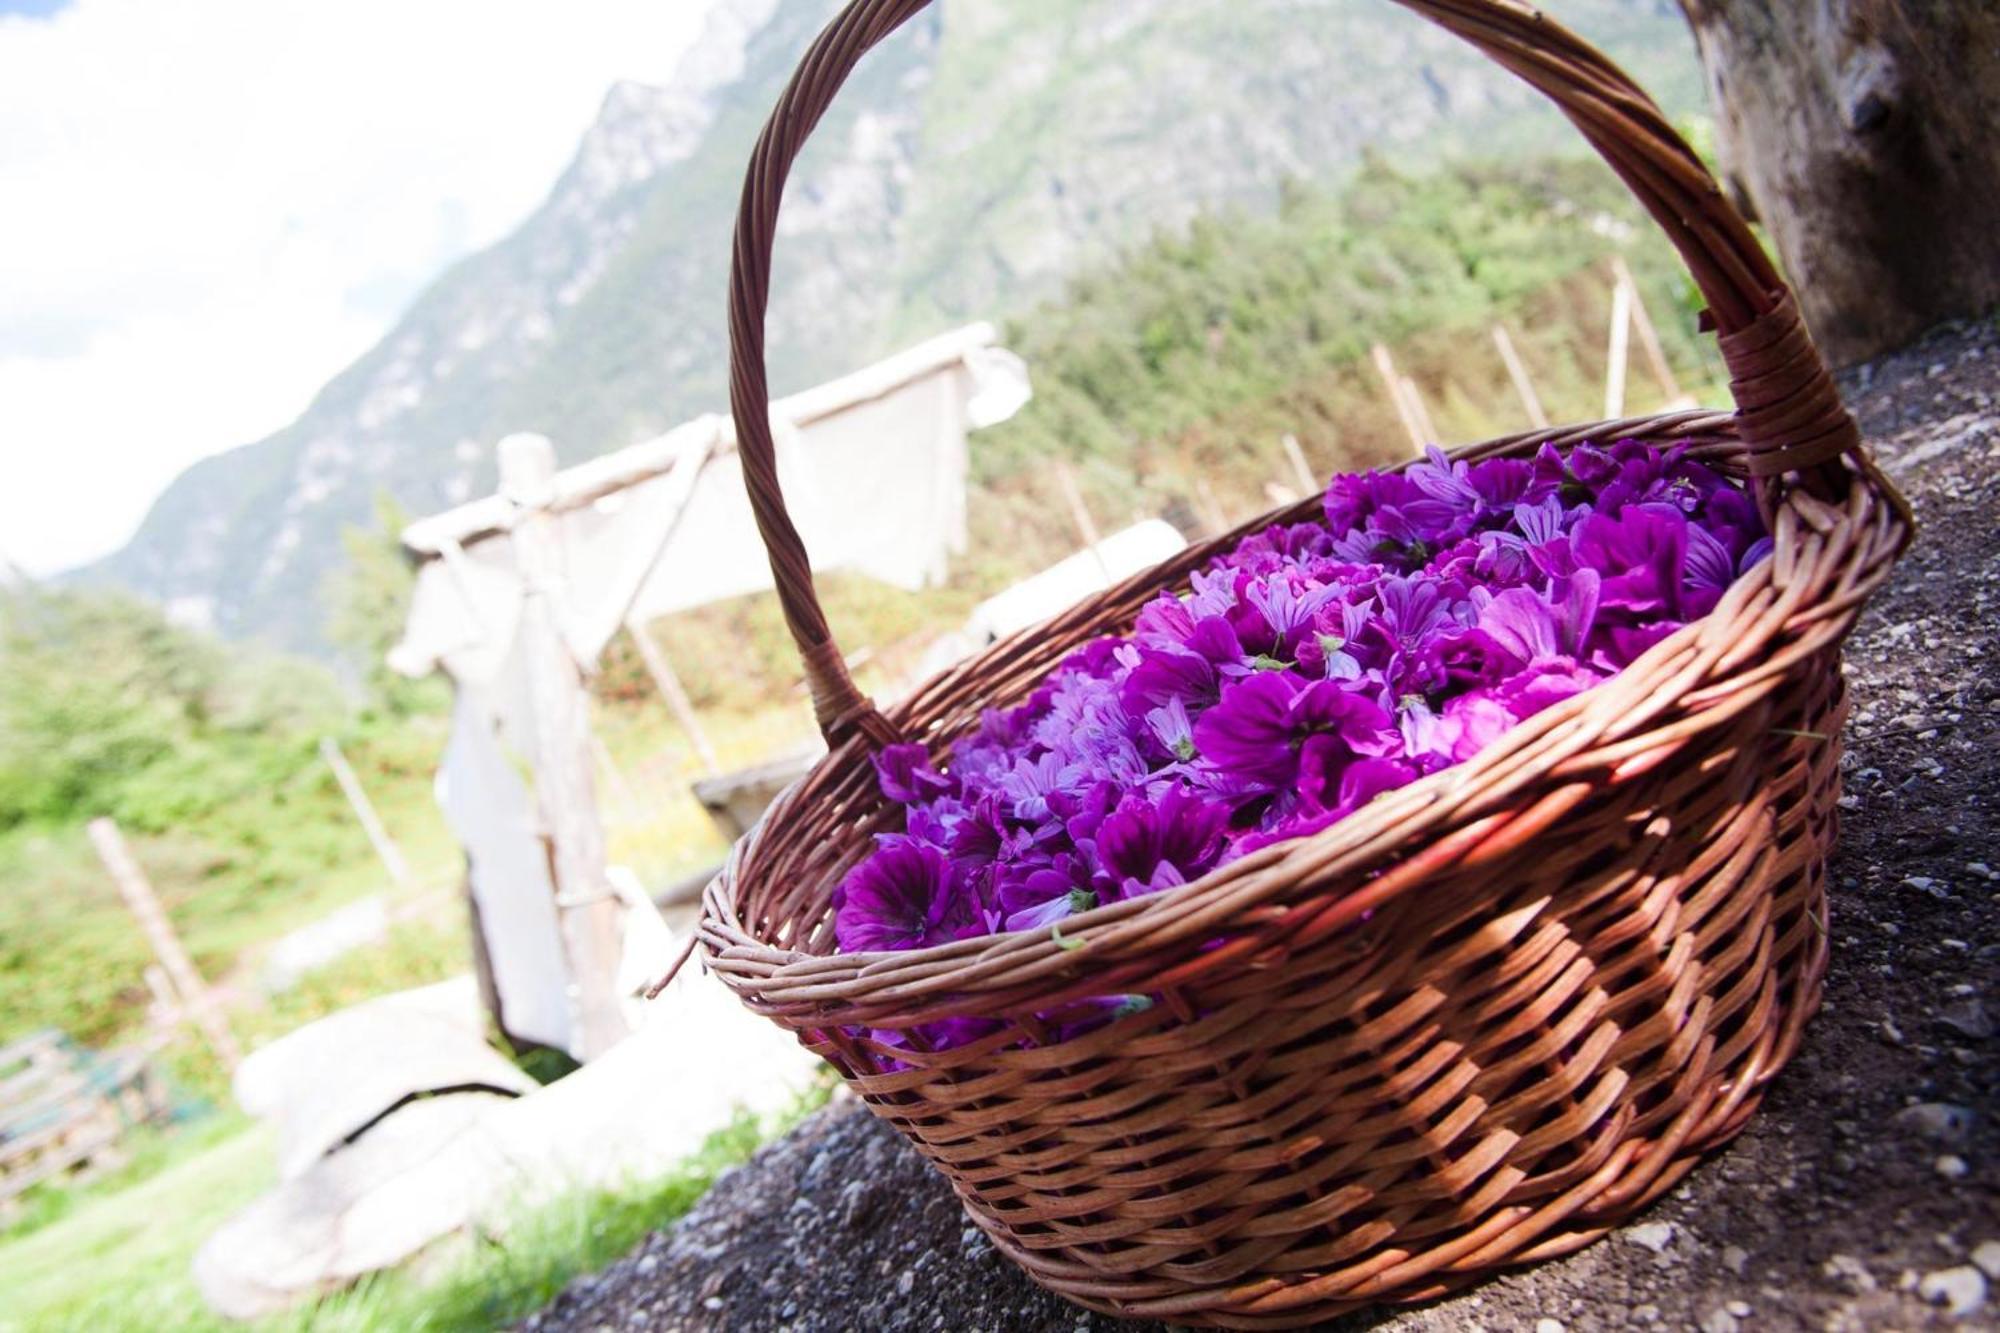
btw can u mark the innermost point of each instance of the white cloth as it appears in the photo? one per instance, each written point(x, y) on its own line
point(488, 809)
point(444, 1164)
point(874, 469)
point(1070, 580)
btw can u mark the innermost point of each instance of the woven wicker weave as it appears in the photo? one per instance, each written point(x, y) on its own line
point(1475, 1023)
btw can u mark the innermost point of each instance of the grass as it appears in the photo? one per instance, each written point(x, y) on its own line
point(146, 1152)
point(71, 956)
point(122, 1263)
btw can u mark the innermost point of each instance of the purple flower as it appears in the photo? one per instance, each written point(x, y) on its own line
point(1263, 721)
point(1331, 647)
point(1287, 609)
point(1757, 552)
point(1145, 845)
point(986, 837)
point(908, 895)
point(1030, 782)
point(1639, 554)
point(1526, 627)
point(906, 775)
point(1042, 895)
point(1709, 570)
point(1475, 720)
point(1172, 728)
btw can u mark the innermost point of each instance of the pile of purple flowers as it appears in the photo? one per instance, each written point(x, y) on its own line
point(1308, 671)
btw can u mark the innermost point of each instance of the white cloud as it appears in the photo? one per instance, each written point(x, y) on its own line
point(210, 207)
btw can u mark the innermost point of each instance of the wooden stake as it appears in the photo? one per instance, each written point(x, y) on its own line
point(1212, 512)
point(1308, 484)
point(669, 686)
point(1079, 514)
point(166, 1011)
point(565, 788)
point(1418, 413)
point(1524, 388)
point(1649, 338)
point(1614, 371)
point(364, 810)
point(1385, 366)
point(193, 993)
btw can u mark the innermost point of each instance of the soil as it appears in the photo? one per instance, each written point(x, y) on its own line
point(1866, 1195)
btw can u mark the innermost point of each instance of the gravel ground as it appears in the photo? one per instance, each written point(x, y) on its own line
point(1865, 1196)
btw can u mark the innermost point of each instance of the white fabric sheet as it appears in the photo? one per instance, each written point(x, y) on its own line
point(877, 487)
point(874, 469)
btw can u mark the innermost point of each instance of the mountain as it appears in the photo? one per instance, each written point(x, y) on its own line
point(985, 151)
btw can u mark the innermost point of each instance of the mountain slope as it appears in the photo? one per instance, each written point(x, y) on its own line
point(975, 158)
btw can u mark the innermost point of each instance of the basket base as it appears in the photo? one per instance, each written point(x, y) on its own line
point(1493, 1070)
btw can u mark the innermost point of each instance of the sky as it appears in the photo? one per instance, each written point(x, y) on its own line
point(209, 208)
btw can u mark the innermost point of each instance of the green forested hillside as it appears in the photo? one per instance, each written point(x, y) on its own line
point(1181, 367)
point(981, 156)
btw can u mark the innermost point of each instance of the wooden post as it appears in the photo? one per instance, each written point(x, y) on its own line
point(1211, 508)
point(1418, 412)
point(1649, 338)
point(1308, 484)
point(1617, 353)
point(1079, 514)
point(364, 810)
point(195, 999)
point(1385, 366)
point(165, 1013)
point(669, 686)
point(565, 789)
point(1524, 388)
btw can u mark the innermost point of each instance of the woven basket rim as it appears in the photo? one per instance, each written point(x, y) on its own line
point(937, 974)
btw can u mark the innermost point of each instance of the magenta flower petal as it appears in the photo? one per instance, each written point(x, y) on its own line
point(906, 775)
point(908, 895)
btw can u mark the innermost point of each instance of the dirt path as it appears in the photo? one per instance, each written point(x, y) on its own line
point(1857, 1200)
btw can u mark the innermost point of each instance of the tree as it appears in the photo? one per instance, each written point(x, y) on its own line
point(1861, 133)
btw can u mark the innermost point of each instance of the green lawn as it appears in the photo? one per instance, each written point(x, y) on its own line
point(120, 1261)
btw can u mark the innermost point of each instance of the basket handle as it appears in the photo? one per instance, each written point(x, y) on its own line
point(1788, 411)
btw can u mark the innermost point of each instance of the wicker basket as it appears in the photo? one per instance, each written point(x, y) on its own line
point(1474, 1024)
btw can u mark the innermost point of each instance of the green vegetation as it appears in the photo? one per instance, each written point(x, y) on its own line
point(206, 755)
point(418, 952)
point(120, 1263)
point(144, 1153)
point(1182, 365)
